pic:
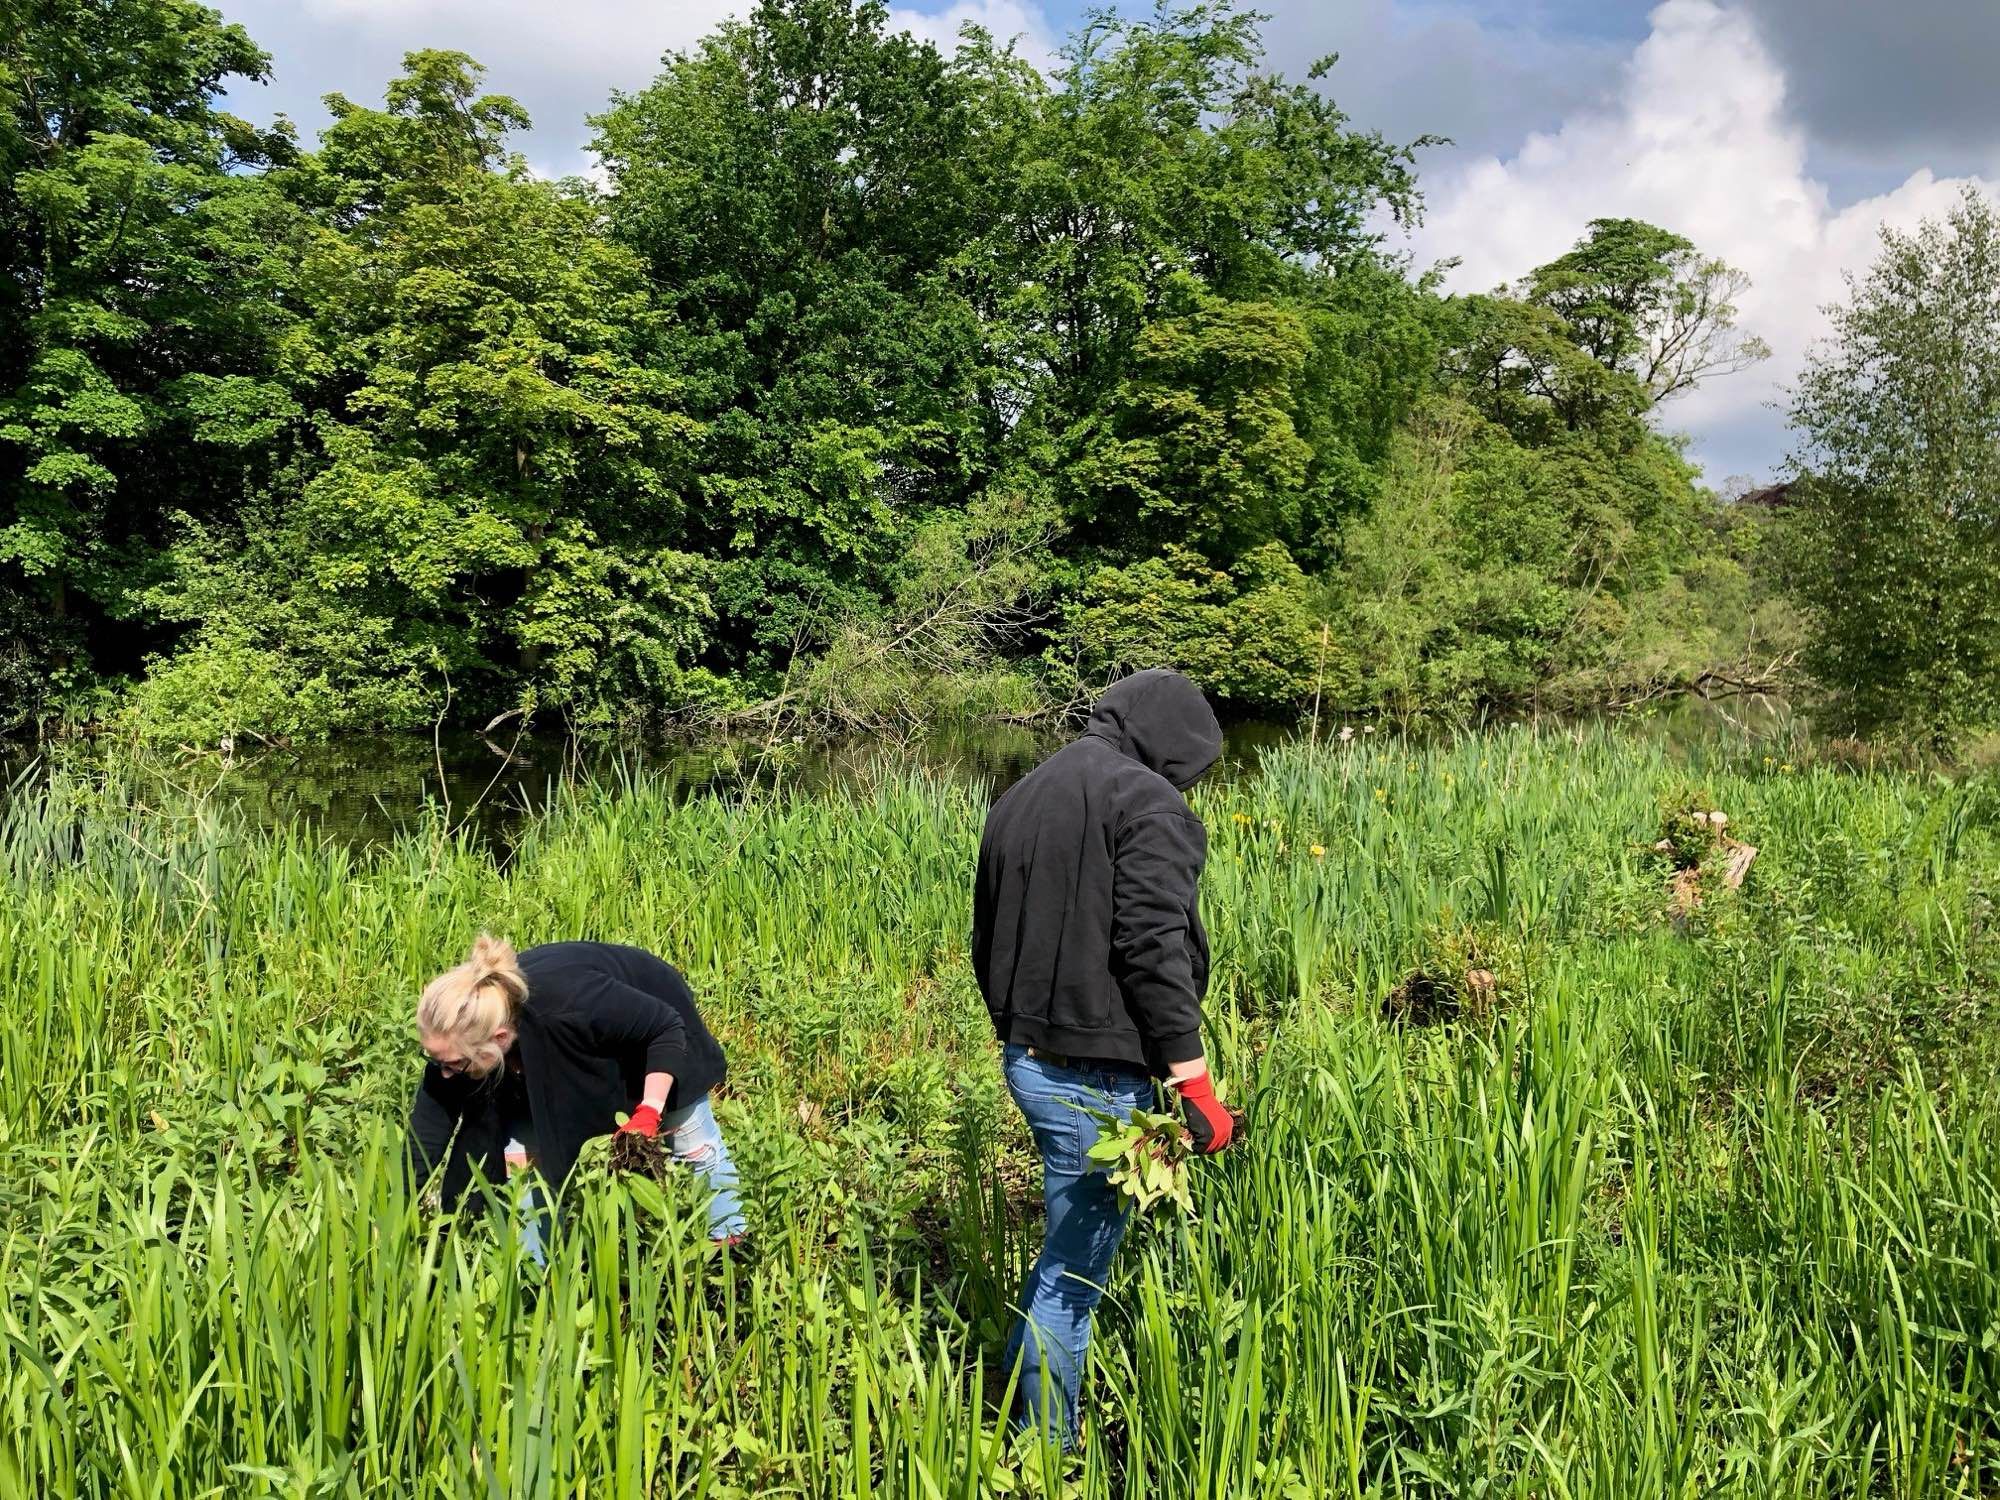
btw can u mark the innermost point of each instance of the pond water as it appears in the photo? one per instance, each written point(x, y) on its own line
point(366, 788)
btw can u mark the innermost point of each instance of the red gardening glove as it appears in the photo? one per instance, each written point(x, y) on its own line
point(645, 1120)
point(1211, 1128)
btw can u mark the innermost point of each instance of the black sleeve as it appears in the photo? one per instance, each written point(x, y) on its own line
point(616, 1020)
point(432, 1126)
point(1157, 865)
point(982, 920)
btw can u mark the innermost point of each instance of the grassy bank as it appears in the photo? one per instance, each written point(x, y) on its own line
point(1687, 1206)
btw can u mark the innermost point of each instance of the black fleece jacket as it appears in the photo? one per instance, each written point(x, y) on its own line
point(598, 1018)
point(1087, 936)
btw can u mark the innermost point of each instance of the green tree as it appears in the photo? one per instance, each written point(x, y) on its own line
point(1601, 335)
point(799, 186)
point(1898, 420)
point(1519, 365)
point(1641, 300)
point(1489, 570)
point(1246, 634)
point(1532, 536)
point(1176, 262)
point(500, 461)
point(1199, 443)
point(142, 270)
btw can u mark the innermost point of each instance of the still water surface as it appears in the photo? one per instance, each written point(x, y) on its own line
point(365, 788)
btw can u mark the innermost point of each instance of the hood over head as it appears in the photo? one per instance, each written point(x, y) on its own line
point(1162, 721)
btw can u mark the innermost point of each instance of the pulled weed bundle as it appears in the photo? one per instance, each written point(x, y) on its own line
point(1146, 1157)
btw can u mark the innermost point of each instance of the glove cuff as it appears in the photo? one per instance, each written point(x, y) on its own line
point(1201, 1087)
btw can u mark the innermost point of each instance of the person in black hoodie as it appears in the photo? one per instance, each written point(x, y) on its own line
point(1089, 949)
point(531, 1055)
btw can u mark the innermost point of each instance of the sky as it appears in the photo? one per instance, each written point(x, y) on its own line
point(1779, 135)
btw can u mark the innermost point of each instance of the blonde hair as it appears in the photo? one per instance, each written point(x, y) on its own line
point(466, 1005)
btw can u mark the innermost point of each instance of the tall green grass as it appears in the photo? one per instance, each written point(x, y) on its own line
point(1708, 1208)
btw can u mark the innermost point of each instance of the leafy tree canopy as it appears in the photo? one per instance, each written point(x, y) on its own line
point(142, 271)
point(1898, 556)
point(859, 361)
point(1640, 300)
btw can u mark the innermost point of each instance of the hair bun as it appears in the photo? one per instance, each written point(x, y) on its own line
point(490, 956)
point(493, 964)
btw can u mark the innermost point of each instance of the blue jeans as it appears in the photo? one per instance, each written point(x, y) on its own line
point(695, 1139)
point(1086, 1222)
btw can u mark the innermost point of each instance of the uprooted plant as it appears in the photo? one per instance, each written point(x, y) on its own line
point(1148, 1154)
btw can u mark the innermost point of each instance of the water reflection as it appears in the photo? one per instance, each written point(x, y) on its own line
point(364, 789)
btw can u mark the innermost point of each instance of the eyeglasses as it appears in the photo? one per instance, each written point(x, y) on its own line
point(450, 1067)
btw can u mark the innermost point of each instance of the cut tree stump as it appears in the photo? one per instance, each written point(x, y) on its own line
point(1684, 885)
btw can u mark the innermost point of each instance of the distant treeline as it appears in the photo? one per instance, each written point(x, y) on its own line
point(864, 381)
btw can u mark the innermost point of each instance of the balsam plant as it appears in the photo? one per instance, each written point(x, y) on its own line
point(1145, 1157)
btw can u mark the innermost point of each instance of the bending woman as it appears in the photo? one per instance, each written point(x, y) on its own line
point(532, 1054)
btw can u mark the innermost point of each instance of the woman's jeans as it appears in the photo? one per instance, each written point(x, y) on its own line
point(1086, 1221)
point(695, 1139)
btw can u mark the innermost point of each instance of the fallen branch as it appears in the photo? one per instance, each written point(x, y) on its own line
point(1772, 679)
point(962, 628)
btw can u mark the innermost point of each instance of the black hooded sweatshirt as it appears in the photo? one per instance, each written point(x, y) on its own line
point(598, 1018)
point(1086, 935)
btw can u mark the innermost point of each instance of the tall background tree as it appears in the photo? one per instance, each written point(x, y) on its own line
point(1898, 417)
point(143, 270)
point(1533, 536)
point(800, 187)
point(494, 471)
point(1638, 299)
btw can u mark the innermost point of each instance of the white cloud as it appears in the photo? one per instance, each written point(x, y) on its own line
point(612, 36)
point(1699, 142)
point(1024, 24)
point(561, 61)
